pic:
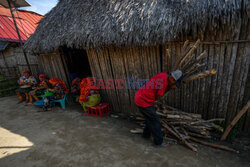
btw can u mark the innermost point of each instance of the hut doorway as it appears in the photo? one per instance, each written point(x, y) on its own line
point(77, 62)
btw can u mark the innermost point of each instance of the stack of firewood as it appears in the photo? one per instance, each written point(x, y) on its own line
point(185, 128)
point(189, 63)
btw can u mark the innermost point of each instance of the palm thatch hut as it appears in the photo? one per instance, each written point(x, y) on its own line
point(128, 39)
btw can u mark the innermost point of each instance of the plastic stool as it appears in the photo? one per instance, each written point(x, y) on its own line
point(99, 110)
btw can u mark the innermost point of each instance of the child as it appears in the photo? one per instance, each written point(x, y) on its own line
point(59, 89)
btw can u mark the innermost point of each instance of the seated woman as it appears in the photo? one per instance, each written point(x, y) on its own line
point(39, 90)
point(75, 89)
point(26, 82)
point(90, 93)
point(59, 89)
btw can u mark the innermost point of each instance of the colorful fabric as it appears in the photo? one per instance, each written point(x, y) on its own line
point(76, 81)
point(88, 88)
point(75, 88)
point(27, 81)
point(26, 71)
point(58, 91)
point(92, 101)
point(146, 95)
point(43, 85)
point(56, 81)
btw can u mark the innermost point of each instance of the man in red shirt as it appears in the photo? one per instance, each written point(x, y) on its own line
point(145, 97)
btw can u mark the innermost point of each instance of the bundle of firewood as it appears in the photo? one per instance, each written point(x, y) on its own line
point(189, 63)
point(185, 128)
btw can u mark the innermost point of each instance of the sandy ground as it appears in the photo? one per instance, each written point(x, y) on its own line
point(68, 138)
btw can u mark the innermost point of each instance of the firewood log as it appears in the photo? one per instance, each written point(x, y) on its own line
point(193, 69)
point(198, 135)
point(189, 53)
point(200, 75)
point(213, 145)
point(210, 120)
point(179, 137)
point(196, 61)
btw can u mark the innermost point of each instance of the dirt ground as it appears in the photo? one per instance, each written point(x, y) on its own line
point(68, 138)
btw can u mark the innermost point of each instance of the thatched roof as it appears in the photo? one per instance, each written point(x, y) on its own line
point(81, 23)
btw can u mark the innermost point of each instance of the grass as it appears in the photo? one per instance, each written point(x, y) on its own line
point(7, 86)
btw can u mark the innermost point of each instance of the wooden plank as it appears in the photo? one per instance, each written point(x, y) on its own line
point(46, 59)
point(216, 63)
point(91, 64)
point(203, 83)
point(110, 94)
point(133, 73)
point(98, 69)
point(126, 61)
point(178, 91)
point(63, 65)
point(234, 49)
point(120, 73)
point(182, 88)
point(210, 80)
point(220, 73)
point(206, 85)
point(238, 84)
point(225, 76)
point(245, 84)
point(113, 60)
point(103, 77)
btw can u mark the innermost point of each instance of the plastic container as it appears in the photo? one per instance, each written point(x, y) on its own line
point(99, 110)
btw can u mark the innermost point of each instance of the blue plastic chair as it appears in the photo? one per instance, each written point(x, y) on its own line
point(62, 101)
point(39, 103)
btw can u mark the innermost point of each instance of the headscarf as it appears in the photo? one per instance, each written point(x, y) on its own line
point(26, 71)
point(55, 81)
point(43, 76)
point(86, 86)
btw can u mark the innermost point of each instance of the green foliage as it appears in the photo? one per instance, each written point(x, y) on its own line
point(7, 86)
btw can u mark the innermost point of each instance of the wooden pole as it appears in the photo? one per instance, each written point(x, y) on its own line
point(179, 137)
point(20, 40)
point(235, 120)
point(213, 145)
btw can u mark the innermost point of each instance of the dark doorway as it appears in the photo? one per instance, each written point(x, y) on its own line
point(77, 62)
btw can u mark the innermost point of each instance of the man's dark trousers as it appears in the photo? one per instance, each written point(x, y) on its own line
point(152, 125)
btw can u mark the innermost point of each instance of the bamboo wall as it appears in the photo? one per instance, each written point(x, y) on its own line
point(13, 56)
point(222, 95)
point(53, 65)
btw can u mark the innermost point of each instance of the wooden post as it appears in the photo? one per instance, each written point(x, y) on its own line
point(235, 120)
